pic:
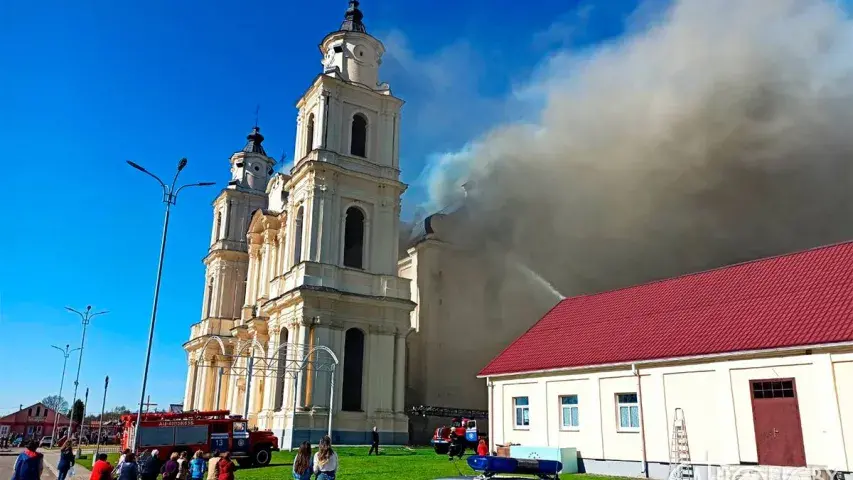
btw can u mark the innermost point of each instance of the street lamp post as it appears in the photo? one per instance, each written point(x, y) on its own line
point(101, 420)
point(86, 316)
point(170, 197)
point(82, 420)
point(65, 354)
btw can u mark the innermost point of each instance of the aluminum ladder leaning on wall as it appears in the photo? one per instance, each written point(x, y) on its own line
point(679, 450)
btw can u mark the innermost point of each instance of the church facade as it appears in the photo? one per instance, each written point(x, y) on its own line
point(301, 275)
point(315, 316)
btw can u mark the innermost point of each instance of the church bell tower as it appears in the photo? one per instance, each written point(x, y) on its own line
point(305, 263)
point(226, 265)
point(341, 289)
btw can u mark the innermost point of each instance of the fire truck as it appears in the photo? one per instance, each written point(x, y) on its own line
point(205, 431)
point(464, 423)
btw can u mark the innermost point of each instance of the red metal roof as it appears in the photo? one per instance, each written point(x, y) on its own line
point(799, 299)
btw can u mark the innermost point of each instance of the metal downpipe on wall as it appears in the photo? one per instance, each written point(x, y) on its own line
point(636, 372)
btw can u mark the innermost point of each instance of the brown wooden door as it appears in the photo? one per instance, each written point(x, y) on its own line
point(776, 415)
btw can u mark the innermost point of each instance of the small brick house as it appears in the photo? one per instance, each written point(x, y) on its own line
point(32, 422)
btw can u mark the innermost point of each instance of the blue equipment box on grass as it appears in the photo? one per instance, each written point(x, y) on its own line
point(566, 456)
point(490, 465)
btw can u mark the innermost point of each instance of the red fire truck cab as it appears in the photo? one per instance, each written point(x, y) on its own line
point(205, 431)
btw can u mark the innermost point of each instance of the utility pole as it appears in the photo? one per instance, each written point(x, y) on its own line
point(86, 316)
point(82, 422)
point(101, 420)
point(170, 197)
point(65, 354)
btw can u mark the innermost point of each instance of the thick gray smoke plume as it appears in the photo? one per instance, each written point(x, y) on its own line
point(721, 132)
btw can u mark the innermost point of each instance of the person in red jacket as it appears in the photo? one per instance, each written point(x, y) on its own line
point(101, 470)
point(482, 448)
point(225, 467)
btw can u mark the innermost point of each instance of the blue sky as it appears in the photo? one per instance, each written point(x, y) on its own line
point(83, 89)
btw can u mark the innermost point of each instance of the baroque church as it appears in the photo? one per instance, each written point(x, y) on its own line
point(315, 316)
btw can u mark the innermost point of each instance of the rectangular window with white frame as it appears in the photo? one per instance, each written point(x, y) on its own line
point(521, 408)
point(569, 413)
point(4, 430)
point(628, 410)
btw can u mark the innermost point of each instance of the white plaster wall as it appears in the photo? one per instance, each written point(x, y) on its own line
point(693, 392)
point(585, 389)
point(715, 398)
point(843, 371)
point(618, 444)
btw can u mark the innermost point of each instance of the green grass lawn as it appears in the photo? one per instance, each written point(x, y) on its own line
point(394, 463)
point(88, 459)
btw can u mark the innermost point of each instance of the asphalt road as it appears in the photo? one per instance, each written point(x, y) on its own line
point(7, 466)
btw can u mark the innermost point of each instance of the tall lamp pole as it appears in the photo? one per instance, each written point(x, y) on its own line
point(86, 316)
point(101, 420)
point(170, 197)
point(65, 354)
point(82, 424)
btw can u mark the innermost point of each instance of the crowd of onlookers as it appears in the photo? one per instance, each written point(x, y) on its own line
point(29, 465)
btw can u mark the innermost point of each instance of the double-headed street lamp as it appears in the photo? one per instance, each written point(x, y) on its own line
point(170, 197)
point(86, 316)
point(65, 354)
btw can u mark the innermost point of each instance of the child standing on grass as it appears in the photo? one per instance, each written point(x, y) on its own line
point(326, 460)
point(129, 469)
point(482, 448)
point(211, 465)
point(170, 468)
point(183, 466)
point(225, 467)
point(303, 465)
point(197, 466)
point(101, 470)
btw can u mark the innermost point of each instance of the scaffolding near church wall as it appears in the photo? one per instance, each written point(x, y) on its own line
point(298, 359)
point(318, 358)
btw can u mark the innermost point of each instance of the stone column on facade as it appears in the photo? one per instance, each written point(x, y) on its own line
point(221, 384)
point(282, 248)
point(267, 265)
point(274, 271)
point(319, 218)
point(216, 293)
point(400, 372)
point(189, 393)
point(320, 382)
point(322, 118)
point(250, 276)
point(234, 396)
point(300, 378)
point(367, 243)
point(337, 346)
point(310, 223)
point(201, 399)
point(271, 371)
point(385, 134)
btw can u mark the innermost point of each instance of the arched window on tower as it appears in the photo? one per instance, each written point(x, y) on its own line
point(353, 370)
point(281, 373)
point(354, 238)
point(297, 235)
point(309, 135)
point(358, 137)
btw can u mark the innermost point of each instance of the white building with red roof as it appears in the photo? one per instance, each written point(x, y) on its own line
point(757, 357)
